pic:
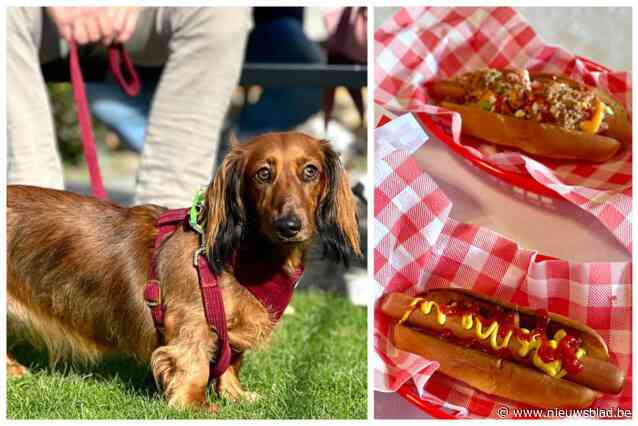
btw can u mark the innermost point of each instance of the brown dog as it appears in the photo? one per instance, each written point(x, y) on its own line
point(77, 266)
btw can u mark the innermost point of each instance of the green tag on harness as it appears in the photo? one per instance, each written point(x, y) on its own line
point(196, 209)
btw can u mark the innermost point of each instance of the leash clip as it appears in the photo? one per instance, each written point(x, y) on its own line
point(299, 279)
point(199, 252)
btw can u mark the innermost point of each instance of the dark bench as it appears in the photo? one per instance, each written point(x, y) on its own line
point(304, 75)
point(263, 74)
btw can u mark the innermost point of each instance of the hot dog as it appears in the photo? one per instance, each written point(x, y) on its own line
point(539, 358)
point(542, 114)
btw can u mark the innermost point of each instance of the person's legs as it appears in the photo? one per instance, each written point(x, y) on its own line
point(32, 152)
point(204, 49)
point(281, 108)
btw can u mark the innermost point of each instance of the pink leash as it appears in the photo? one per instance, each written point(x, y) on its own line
point(128, 80)
point(124, 72)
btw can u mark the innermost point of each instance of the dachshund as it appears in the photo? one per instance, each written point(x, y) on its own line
point(77, 266)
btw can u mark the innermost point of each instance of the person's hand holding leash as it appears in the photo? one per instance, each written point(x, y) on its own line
point(182, 40)
point(92, 24)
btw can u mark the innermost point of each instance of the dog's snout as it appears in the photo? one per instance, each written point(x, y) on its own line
point(288, 226)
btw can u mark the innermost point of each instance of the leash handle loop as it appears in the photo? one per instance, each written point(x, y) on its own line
point(123, 70)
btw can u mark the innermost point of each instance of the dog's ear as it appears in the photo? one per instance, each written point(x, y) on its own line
point(337, 213)
point(226, 214)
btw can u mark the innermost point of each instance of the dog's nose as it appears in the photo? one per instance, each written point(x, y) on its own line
point(288, 226)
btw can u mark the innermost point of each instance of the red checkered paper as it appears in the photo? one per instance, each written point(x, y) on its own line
point(421, 44)
point(418, 246)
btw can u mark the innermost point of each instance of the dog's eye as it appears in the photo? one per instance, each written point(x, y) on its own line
point(310, 172)
point(264, 174)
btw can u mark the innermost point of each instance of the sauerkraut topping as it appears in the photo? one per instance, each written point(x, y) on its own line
point(546, 99)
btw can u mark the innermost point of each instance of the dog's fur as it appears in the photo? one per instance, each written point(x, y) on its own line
point(77, 266)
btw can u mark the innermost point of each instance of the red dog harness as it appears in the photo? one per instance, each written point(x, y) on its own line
point(268, 283)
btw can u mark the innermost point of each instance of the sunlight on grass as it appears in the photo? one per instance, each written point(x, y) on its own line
point(315, 367)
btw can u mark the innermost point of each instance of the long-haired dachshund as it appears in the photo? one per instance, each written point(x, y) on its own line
point(77, 266)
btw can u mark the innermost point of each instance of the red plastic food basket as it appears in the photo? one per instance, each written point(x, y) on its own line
point(408, 391)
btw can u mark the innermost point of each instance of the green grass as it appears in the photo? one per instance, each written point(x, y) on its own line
point(315, 367)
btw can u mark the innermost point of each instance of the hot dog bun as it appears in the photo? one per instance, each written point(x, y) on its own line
point(492, 375)
point(545, 140)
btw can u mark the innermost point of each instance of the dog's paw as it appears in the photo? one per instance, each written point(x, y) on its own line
point(250, 396)
point(211, 408)
point(16, 370)
point(237, 395)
